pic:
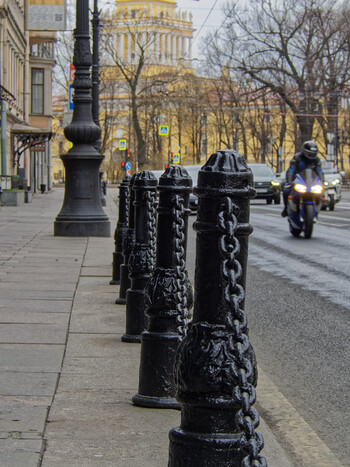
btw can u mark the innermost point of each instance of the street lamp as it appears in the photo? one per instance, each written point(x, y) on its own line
point(95, 107)
point(82, 214)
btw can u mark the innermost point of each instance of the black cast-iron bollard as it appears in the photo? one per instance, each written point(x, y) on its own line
point(215, 369)
point(128, 243)
point(120, 230)
point(168, 294)
point(141, 261)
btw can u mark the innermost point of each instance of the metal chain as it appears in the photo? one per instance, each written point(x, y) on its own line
point(126, 239)
point(247, 417)
point(181, 294)
point(151, 219)
point(127, 195)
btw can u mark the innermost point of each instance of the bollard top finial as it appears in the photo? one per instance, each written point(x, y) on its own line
point(226, 160)
point(226, 171)
point(176, 177)
point(145, 179)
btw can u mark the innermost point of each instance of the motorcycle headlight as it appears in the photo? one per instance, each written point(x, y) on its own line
point(300, 188)
point(317, 189)
point(275, 183)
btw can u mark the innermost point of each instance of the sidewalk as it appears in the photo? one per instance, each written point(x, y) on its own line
point(66, 378)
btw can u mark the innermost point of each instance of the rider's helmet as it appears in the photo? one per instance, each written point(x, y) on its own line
point(310, 150)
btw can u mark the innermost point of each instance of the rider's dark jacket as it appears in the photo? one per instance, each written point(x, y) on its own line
point(300, 163)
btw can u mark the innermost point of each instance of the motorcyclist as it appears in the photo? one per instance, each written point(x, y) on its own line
point(306, 159)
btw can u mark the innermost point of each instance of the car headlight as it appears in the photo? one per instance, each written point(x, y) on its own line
point(275, 183)
point(335, 182)
point(317, 189)
point(325, 183)
point(300, 188)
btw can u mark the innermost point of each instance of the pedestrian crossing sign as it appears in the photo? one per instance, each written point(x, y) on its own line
point(176, 158)
point(122, 144)
point(163, 130)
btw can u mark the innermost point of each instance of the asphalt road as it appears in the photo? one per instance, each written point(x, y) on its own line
point(298, 306)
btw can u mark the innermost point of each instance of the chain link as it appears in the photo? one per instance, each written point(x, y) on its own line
point(181, 294)
point(247, 417)
point(151, 220)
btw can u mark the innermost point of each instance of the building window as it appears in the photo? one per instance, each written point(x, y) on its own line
point(37, 90)
point(43, 50)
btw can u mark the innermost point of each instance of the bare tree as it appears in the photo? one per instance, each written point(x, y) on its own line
point(298, 49)
point(64, 53)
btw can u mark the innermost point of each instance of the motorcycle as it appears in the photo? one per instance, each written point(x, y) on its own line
point(304, 203)
point(332, 196)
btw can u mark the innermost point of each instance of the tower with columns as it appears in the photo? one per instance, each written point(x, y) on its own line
point(157, 27)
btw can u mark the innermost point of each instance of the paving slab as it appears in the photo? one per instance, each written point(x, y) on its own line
point(62, 275)
point(27, 384)
point(95, 373)
point(20, 452)
point(31, 357)
point(98, 345)
point(111, 430)
point(90, 300)
point(31, 316)
point(30, 333)
point(43, 269)
point(104, 271)
point(39, 286)
point(23, 414)
point(105, 320)
point(35, 305)
point(39, 294)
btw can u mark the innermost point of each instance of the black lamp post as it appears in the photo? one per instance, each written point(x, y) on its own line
point(95, 107)
point(82, 214)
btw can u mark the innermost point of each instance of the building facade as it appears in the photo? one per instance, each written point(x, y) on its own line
point(27, 59)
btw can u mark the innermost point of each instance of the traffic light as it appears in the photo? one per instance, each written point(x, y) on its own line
point(128, 155)
point(123, 165)
point(166, 166)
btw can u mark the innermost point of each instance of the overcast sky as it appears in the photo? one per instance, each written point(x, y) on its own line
point(206, 17)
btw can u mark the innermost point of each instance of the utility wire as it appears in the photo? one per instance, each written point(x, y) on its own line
point(211, 9)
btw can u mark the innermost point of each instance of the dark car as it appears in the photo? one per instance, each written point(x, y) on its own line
point(192, 171)
point(265, 183)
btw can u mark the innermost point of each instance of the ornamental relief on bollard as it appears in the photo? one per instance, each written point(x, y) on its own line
point(128, 241)
point(162, 289)
point(141, 259)
point(120, 234)
point(205, 360)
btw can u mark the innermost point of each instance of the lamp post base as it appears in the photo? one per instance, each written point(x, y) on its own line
point(82, 214)
point(82, 228)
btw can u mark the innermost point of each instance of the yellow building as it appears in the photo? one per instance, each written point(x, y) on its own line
point(148, 83)
point(148, 47)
